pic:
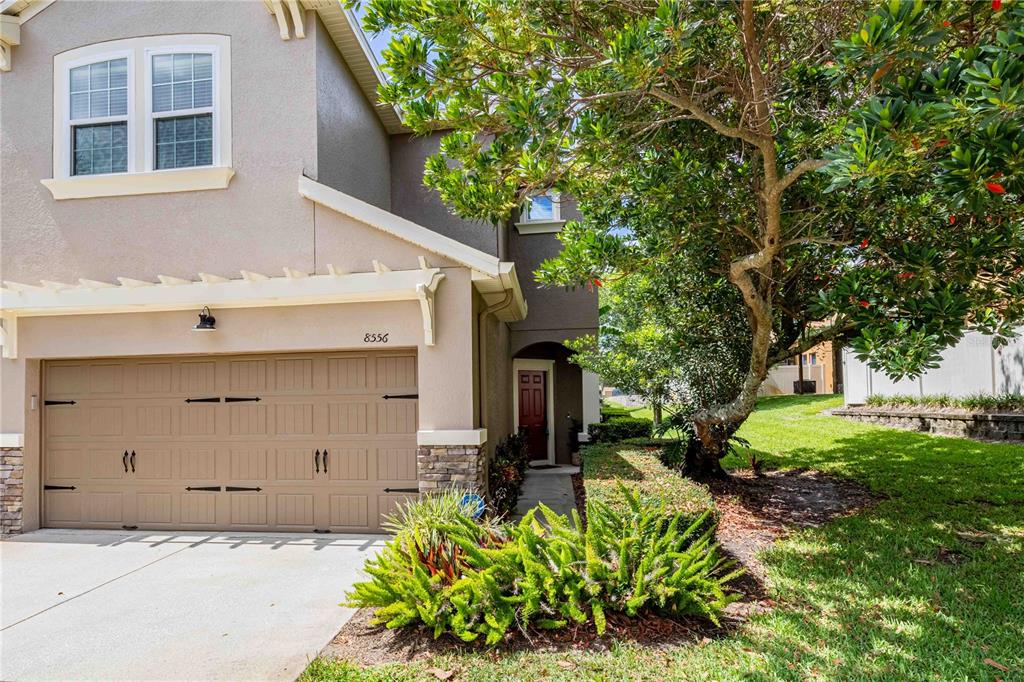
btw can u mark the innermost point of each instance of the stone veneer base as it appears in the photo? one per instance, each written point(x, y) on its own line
point(983, 426)
point(12, 489)
point(452, 466)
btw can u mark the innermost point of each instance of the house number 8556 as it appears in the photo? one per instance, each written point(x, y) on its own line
point(372, 337)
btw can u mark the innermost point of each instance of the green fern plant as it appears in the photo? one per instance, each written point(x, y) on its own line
point(453, 574)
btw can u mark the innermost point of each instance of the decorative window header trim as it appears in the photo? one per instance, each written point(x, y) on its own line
point(139, 52)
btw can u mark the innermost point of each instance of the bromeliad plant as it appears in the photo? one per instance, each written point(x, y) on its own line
point(473, 580)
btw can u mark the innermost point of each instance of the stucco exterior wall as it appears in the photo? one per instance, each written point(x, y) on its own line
point(556, 313)
point(410, 199)
point(352, 145)
point(258, 223)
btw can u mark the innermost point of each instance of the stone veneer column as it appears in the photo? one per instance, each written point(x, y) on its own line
point(12, 473)
point(452, 466)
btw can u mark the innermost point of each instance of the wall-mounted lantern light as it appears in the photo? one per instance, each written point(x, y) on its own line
point(207, 322)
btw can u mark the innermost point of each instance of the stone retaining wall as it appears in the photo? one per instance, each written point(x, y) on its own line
point(982, 426)
point(12, 473)
point(452, 466)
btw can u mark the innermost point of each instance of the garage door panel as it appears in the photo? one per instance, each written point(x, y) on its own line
point(247, 419)
point(396, 465)
point(197, 377)
point(198, 420)
point(293, 464)
point(247, 376)
point(105, 507)
point(153, 464)
point(327, 402)
point(294, 509)
point(63, 506)
point(154, 378)
point(106, 464)
point(63, 380)
point(64, 421)
point(154, 421)
point(154, 507)
point(248, 464)
point(349, 511)
point(396, 372)
point(346, 374)
point(197, 463)
point(293, 419)
point(66, 463)
point(347, 418)
point(293, 375)
point(198, 508)
point(106, 379)
point(248, 509)
point(348, 464)
point(387, 505)
point(396, 417)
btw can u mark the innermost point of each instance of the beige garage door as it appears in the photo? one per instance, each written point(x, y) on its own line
point(296, 442)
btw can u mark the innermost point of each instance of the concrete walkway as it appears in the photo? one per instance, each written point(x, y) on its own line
point(115, 605)
point(553, 487)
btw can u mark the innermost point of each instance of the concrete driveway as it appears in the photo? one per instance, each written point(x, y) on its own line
point(104, 605)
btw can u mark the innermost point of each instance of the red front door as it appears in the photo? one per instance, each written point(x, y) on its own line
point(533, 411)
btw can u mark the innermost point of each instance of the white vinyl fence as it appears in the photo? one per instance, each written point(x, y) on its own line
point(781, 377)
point(972, 366)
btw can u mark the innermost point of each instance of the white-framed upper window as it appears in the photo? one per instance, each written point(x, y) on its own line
point(542, 208)
point(143, 105)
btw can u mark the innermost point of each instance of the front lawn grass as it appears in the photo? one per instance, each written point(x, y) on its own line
point(927, 585)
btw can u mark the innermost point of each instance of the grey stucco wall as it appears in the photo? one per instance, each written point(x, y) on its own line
point(259, 223)
point(410, 199)
point(556, 313)
point(352, 145)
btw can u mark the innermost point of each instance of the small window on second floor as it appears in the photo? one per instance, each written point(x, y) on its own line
point(182, 110)
point(541, 208)
point(99, 117)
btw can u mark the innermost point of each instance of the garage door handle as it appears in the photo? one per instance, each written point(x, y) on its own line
point(325, 460)
point(316, 459)
point(124, 461)
point(132, 460)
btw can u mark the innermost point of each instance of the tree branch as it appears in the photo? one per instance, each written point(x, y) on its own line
point(792, 176)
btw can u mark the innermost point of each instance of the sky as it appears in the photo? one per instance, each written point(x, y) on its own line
point(378, 42)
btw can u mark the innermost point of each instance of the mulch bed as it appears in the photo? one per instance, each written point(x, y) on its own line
point(756, 510)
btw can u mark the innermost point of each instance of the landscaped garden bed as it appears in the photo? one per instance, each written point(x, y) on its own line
point(889, 555)
point(981, 417)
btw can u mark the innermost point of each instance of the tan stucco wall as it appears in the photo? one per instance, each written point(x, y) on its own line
point(259, 223)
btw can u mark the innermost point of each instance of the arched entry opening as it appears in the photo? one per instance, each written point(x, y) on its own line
point(547, 400)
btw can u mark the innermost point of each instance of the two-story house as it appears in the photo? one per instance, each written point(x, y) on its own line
point(228, 300)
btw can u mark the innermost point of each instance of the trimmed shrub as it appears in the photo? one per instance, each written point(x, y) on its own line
point(620, 428)
point(506, 474)
point(639, 469)
point(979, 402)
point(613, 411)
point(447, 572)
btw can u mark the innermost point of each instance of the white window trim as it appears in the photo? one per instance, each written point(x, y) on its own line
point(151, 116)
point(544, 366)
point(62, 165)
point(544, 226)
point(141, 178)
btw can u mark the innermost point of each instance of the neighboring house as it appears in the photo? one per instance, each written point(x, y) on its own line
point(970, 367)
point(821, 365)
point(162, 159)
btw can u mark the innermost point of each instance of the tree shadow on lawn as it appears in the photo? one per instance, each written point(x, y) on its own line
point(927, 584)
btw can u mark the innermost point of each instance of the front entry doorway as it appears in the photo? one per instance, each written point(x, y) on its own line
point(533, 411)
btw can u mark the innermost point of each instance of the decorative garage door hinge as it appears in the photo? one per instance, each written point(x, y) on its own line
point(205, 488)
point(59, 402)
point(403, 396)
point(202, 400)
point(58, 487)
point(241, 400)
point(401, 490)
point(237, 489)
